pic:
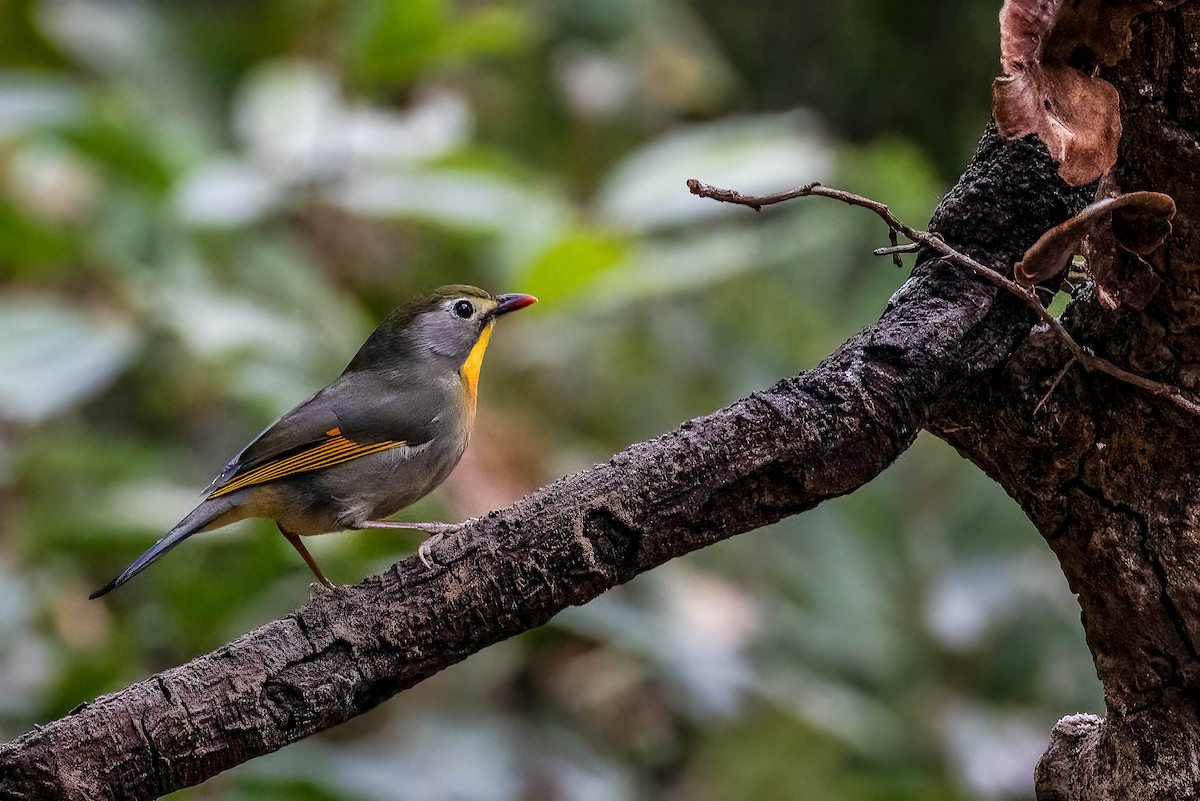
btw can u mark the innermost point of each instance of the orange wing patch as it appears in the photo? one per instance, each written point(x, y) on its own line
point(335, 450)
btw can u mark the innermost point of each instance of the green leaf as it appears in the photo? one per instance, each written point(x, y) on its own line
point(390, 40)
point(571, 264)
point(25, 243)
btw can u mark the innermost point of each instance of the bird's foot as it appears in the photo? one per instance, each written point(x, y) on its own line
point(424, 551)
point(436, 532)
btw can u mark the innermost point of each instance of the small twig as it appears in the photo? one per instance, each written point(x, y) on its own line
point(1071, 362)
point(1087, 360)
point(896, 249)
point(757, 202)
point(896, 260)
point(910, 247)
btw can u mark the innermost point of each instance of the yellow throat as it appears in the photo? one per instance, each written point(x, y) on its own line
point(469, 372)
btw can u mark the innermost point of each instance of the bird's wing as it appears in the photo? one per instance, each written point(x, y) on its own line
point(357, 415)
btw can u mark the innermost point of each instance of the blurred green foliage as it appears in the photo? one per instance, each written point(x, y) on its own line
point(205, 206)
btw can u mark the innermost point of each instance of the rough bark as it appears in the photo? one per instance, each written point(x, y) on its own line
point(778, 452)
point(1110, 475)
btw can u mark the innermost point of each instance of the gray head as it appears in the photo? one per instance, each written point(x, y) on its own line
point(442, 327)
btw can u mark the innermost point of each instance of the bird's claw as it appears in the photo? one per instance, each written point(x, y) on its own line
point(424, 552)
point(437, 532)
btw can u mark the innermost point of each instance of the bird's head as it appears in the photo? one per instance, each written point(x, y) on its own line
point(449, 327)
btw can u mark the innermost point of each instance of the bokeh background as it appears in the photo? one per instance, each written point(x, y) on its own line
point(204, 208)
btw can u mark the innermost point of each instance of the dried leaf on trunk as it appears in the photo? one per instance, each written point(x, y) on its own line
point(1048, 256)
point(1141, 221)
point(1115, 232)
point(1075, 115)
point(1119, 275)
point(1049, 51)
point(1114, 252)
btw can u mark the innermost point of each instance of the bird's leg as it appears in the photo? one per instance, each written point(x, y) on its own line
point(436, 529)
point(294, 539)
point(436, 532)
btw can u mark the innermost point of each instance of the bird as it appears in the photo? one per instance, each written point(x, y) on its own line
point(385, 433)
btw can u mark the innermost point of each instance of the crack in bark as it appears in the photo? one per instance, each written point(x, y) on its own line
point(166, 691)
point(156, 777)
point(1150, 557)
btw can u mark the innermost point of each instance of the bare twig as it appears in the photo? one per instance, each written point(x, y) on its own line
point(911, 247)
point(1054, 384)
point(896, 260)
point(1086, 359)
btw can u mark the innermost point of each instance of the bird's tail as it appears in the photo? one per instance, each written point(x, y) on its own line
point(198, 520)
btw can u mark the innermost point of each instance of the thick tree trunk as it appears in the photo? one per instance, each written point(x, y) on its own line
point(1110, 475)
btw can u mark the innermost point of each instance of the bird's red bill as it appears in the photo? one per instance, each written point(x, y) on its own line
point(510, 303)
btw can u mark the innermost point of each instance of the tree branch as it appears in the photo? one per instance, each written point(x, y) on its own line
point(773, 454)
point(1089, 361)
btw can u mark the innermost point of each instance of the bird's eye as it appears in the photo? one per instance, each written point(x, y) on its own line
point(464, 309)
